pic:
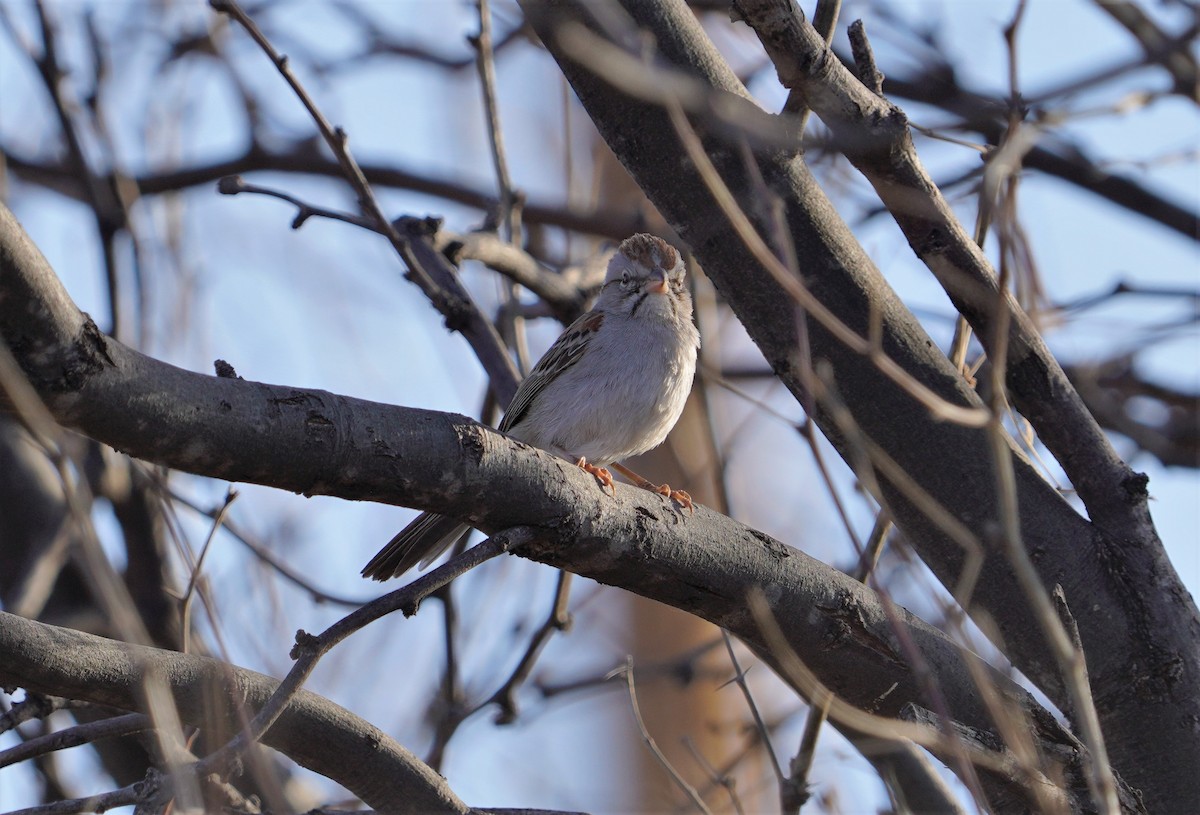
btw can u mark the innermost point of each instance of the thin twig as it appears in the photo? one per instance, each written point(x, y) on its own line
point(715, 776)
point(309, 649)
point(559, 619)
point(446, 293)
point(679, 780)
point(868, 459)
point(266, 556)
point(683, 669)
point(186, 614)
point(739, 679)
point(107, 213)
point(1070, 659)
point(74, 736)
point(37, 706)
point(510, 321)
point(875, 544)
point(136, 793)
point(451, 709)
point(485, 62)
point(796, 793)
point(235, 184)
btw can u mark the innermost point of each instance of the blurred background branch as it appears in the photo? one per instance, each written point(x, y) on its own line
point(120, 118)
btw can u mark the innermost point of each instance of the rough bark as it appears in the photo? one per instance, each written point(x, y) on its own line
point(1139, 626)
point(314, 442)
point(313, 731)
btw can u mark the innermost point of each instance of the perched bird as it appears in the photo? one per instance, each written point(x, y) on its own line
point(610, 387)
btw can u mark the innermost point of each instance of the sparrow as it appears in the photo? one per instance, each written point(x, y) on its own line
point(610, 387)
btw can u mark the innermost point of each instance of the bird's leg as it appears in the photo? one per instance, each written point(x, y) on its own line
point(678, 496)
point(602, 475)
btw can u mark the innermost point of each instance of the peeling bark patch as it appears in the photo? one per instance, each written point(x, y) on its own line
point(849, 626)
point(291, 401)
point(1135, 486)
point(644, 519)
point(89, 357)
point(316, 420)
point(95, 338)
point(1159, 679)
point(934, 244)
point(319, 429)
point(379, 445)
point(774, 548)
point(472, 440)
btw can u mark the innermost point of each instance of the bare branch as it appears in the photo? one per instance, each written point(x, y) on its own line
point(688, 789)
point(427, 269)
point(313, 731)
point(879, 145)
point(950, 463)
point(1065, 160)
point(320, 443)
point(1172, 53)
point(74, 736)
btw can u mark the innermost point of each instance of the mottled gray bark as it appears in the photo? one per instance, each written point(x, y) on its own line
point(1139, 626)
point(315, 442)
point(313, 731)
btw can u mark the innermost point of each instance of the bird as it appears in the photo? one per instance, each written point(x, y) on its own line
point(610, 387)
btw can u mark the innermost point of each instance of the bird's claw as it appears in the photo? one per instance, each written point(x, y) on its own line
point(602, 475)
point(678, 496)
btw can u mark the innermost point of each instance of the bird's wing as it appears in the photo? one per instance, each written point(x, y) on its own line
point(566, 351)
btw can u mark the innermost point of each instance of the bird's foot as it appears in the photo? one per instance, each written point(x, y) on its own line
point(602, 475)
point(678, 496)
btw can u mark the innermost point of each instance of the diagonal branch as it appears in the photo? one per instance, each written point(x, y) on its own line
point(983, 114)
point(427, 269)
point(877, 141)
point(316, 442)
point(313, 731)
point(1138, 619)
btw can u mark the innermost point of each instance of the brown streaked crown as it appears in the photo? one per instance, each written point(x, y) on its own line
point(650, 251)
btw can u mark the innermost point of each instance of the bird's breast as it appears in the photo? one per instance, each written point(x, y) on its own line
point(621, 399)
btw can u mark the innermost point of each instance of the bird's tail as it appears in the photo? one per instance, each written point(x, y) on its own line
point(417, 544)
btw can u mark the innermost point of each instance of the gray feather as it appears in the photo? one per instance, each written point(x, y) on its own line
point(417, 544)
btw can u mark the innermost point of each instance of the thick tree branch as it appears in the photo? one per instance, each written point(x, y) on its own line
point(1156, 631)
point(877, 141)
point(982, 114)
point(313, 731)
point(1172, 53)
point(320, 443)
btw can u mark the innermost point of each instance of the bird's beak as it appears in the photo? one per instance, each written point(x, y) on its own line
point(659, 286)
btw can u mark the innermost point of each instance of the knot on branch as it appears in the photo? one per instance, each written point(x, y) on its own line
point(412, 227)
point(231, 185)
point(1135, 486)
point(305, 643)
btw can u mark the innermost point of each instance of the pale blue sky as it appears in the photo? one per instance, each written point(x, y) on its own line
point(325, 307)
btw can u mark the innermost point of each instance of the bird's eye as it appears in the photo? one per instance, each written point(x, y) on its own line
point(625, 278)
